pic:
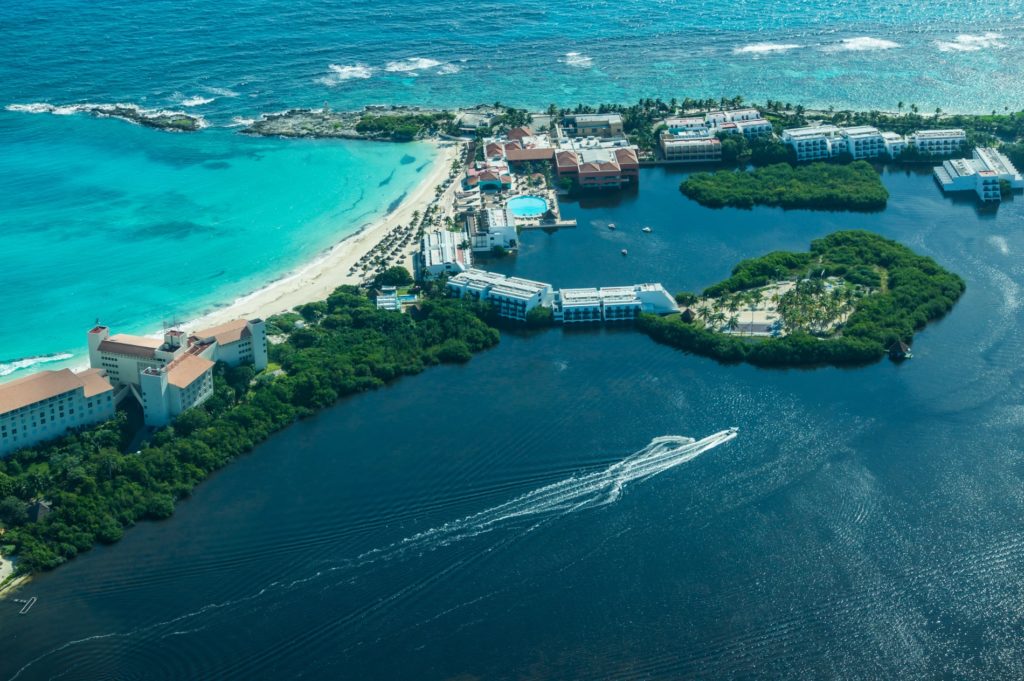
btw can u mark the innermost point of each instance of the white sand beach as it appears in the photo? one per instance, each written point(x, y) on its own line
point(317, 279)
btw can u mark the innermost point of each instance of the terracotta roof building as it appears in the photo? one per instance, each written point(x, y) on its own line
point(48, 404)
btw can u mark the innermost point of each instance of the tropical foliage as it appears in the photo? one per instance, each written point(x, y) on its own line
point(912, 290)
point(402, 127)
point(856, 187)
point(97, 489)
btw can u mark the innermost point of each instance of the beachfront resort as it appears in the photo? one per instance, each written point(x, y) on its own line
point(165, 376)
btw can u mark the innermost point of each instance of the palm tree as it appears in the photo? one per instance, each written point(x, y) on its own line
point(717, 319)
point(899, 106)
point(733, 323)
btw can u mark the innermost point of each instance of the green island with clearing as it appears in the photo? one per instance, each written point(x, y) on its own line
point(850, 299)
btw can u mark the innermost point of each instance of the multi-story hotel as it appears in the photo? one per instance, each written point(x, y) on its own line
point(862, 141)
point(513, 297)
point(594, 164)
point(811, 143)
point(490, 228)
point(939, 142)
point(692, 147)
point(173, 374)
point(983, 174)
point(609, 304)
point(442, 253)
point(593, 125)
point(48, 404)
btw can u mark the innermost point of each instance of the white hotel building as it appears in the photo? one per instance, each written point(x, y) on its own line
point(612, 303)
point(170, 375)
point(939, 142)
point(513, 297)
point(48, 404)
point(441, 253)
point(982, 174)
point(811, 143)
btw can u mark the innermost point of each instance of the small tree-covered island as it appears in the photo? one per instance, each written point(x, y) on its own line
point(854, 187)
point(850, 299)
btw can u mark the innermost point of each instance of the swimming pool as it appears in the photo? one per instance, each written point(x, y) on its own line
point(527, 206)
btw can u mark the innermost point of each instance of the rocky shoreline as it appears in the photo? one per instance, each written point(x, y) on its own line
point(172, 121)
point(307, 123)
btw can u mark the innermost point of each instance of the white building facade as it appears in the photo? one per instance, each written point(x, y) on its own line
point(939, 142)
point(169, 390)
point(983, 174)
point(48, 404)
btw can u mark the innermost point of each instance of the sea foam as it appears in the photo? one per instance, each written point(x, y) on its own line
point(197, 101)
point(101, 110)
point(862, 44)
point(8, 368)
point(577, 60)
point(766, 48)
point(971, 43)
point(339, 73)
point(411, 64)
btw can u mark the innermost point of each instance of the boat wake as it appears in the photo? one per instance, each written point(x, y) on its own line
point(579, 492)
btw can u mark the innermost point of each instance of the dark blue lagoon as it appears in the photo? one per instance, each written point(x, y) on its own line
point(864, 524)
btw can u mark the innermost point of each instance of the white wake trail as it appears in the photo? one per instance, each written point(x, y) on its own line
point(588, 490)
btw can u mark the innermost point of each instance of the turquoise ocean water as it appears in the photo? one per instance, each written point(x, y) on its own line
point(104, 219)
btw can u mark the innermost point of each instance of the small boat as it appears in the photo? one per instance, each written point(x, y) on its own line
point(611, 225)
point(646, 230)
point(625, 252)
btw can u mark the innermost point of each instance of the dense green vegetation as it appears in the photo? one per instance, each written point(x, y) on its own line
point(402, 127)
point(912, 291)
point(97, 489)
point(856, 186)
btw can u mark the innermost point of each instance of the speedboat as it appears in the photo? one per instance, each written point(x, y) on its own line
point(611, 225)
point(646, 230)
point(625, 252)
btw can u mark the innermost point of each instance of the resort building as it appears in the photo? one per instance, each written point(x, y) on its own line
point(716, 119)
point(171, 389)
point(490, 228)
point(939, 142)
point(513, 297)
point(616, 303)
point(442, 253)
point(386, 298)
point(983, 174)
point(521, 145)
point(895, 144)
point(757, 127)
point(690, 147)
point(811, 143)
point(48, 404)
point(862, 141)
point(138, 364)
point(597, 164)
point(490, 175)
point(692, 123)
point(593, 125)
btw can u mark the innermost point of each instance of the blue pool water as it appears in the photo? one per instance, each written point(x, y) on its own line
point(527, 206)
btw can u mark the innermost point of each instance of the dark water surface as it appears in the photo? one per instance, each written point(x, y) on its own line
point(864, 524)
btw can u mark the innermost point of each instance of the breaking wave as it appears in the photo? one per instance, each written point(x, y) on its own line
point(340, 73)
point(411, 64)
point(8, 368)
point(577, 60)
point(766, 48)
point(197, 101)
point(862, 44)
point(971, 43)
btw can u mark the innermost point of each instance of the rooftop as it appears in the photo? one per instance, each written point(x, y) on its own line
point(939, 134)
point(183, 372)
point(43, 385)
point(228, 332)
